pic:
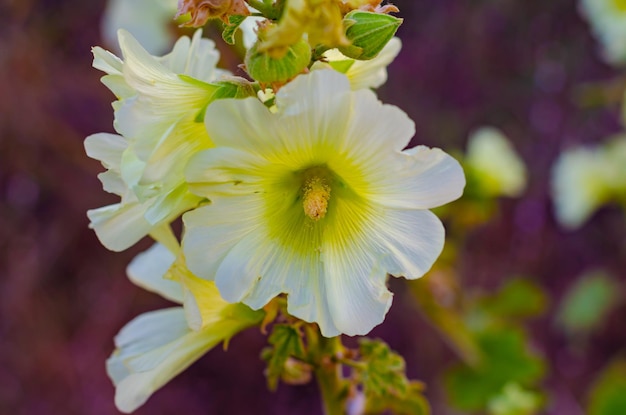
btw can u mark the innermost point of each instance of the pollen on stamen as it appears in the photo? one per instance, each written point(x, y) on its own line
point(315, 198)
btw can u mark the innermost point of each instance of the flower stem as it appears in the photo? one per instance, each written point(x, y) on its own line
point(333, 387)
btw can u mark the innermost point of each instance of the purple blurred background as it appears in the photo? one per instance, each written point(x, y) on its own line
point(513, 64)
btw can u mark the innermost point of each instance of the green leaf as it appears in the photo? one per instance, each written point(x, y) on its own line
point(384, 382)
point(515, 400)
point(285, 342)
point(413, 403)
point(445, 317)
point(384, 372)
point(608, 395)
point(228, 34)
point(518, 298)
point(506, 359)
point(587, 303)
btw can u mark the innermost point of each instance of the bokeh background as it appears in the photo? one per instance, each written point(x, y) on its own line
point(519, 65)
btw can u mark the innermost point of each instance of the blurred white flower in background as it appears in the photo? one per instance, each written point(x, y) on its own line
point(608, 23)
point(494, 166)
point(584, 179)
point(151, 22)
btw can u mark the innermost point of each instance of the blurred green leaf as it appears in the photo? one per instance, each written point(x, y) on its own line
point(506, 359)
point(608, 395)
point(518, 298)
point(587, 303)
point(286, 342)
point(515, 400)
point(431, 295)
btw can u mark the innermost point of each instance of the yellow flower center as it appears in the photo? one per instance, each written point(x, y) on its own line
point(315, 193)
point(620, 5)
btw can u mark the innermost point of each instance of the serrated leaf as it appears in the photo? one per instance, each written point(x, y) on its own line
point(285, 342)
point(383, 375)
point(413, 403)
point(228, 34)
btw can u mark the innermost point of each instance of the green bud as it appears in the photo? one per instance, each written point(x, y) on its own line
point(368, 32)
point(262, 67)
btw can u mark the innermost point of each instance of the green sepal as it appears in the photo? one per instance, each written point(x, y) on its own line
point(285, 342)
point(262, 67)
point(342, 66)
point(228, 34)
point(233, 88)
point(369, 33)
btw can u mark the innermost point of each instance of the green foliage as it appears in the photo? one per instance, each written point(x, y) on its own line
point(445, 317)
point(505, 359)
point(515, 400)
point(381, 373)
point(518, 298)
point(285, 342)
point(228, 34)
point(587, 303)
point(608, 396)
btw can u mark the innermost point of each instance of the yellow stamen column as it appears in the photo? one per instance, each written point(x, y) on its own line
point(315, 194)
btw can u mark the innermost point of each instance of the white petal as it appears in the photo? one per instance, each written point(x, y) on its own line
point(357, 296)
point(305, 127)
point(107, 148)
point(364, 74)
point(407, 241)
point(112, 182)
point(119, 226)
point(243, 267)
point(373, 73)
point(152, 349)
point(106, 61)
point(148, 269)
point(197, 58)
point(224, 169)
point(418, 178)
point(146, 340)
point(211, 231)
point(163, 98)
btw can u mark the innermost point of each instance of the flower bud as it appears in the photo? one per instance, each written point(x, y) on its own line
point(262, 67)
point(368, 32)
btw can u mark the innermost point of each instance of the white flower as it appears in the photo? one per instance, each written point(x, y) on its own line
point(362, 74)
point(584, 179)
point(608, 22)
point(578, 186)
point(317, 201)
point(158, 114)
point(156, 346)
point(147, 20)
point(496, 168)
